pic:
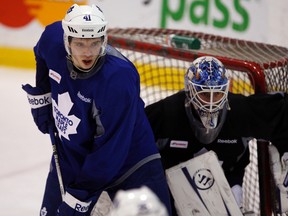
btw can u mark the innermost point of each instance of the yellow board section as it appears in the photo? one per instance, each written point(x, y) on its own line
point(20, 58)
point(168, 78)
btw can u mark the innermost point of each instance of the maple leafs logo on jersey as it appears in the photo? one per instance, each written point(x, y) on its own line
point(65, 123)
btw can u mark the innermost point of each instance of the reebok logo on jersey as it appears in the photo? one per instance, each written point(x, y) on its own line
point(178, 144)
point(233, 141)
point(55, 76)
point(86, 100)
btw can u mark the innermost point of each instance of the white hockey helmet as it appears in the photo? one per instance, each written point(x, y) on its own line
point(84, 21)
point(138, 202)
point(206, 87)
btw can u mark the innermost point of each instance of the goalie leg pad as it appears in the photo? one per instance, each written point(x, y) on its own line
point(199, 187)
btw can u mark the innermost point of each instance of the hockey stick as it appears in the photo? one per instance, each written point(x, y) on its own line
point(103, 206)
point(56, 159)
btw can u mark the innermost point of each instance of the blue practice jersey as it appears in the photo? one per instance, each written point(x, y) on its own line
point(101, 122)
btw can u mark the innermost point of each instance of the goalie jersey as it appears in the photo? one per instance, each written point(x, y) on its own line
point(260, 116)
point(102, 126)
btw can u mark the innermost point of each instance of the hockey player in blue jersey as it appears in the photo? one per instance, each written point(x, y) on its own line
point(89, 93)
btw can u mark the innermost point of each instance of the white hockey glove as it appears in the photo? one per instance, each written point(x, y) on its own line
point(280, 172)
point(238, 195)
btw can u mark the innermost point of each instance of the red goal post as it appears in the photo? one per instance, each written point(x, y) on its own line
point(162, 56)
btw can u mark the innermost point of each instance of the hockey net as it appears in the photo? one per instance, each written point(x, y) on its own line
point(162, 56)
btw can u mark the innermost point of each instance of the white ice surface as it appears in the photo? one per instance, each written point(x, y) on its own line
point(24, 151)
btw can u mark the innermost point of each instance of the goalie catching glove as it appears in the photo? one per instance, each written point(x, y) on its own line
point(41, 108)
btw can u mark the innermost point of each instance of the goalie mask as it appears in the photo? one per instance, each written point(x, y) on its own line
point(85, 38)
point(136, 202)
point(206, 87)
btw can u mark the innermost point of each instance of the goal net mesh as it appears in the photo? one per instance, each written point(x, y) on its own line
point(162, 56)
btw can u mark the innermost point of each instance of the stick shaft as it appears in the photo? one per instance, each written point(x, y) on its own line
point(56, 159)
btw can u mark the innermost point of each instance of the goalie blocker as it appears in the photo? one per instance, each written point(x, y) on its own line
point(199, 187)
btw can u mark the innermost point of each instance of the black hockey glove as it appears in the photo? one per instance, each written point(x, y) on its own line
point(41, 107)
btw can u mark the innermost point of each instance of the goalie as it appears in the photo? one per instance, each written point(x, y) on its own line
point(205, 116)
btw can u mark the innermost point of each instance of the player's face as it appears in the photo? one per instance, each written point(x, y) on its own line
point(85, 51)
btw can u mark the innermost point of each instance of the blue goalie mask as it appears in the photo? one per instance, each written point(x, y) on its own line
point(206, 87)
